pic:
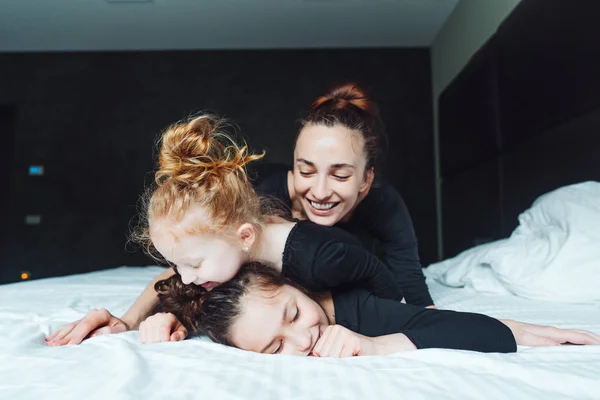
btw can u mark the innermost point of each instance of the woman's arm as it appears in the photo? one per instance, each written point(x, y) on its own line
point(388, 219)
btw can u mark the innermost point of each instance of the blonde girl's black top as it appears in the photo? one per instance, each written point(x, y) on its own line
point(320, 257)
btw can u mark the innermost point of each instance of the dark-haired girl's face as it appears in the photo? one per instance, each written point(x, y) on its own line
point(283, 321)
point(329, 172)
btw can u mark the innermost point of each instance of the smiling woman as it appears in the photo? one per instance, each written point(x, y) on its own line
point(332, 183)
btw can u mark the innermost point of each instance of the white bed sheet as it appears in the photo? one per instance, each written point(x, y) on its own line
point(119, 367)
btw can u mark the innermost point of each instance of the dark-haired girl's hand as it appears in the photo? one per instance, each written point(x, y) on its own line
point(96, 322)
point(338, 341)
point(162, 327)
point(540, 335)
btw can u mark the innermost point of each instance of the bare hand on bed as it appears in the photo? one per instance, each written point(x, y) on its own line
point(96, 322)
point(162, 327)
point(539, 335)
point(339, 342)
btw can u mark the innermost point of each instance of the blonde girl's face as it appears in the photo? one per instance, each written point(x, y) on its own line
point(202, 259)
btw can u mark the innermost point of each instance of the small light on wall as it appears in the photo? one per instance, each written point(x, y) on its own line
point(33, 219)
point(25, 275)
point(36, 170)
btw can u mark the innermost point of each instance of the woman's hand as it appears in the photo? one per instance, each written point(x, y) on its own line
point(338, 342)
point(162, 327)
point(539, 335)
point(96, 322)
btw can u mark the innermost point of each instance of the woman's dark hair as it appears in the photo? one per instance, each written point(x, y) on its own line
point(349, 106)
point(214, 312)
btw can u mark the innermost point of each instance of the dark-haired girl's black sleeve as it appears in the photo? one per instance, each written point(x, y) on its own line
point(369, 315)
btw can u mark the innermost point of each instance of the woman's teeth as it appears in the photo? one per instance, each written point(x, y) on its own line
point(322, 206)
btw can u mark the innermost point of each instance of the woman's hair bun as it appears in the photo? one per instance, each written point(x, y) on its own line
point(347, 96)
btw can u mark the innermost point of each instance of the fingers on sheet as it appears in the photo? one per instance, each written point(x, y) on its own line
point(580, 337)
point(107, 330)
point(534, 340)
point(60, 333)
point(95, 319)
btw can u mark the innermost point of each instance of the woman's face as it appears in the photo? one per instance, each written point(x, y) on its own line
point(284, 321)
point(202, 259)
point(329, 172)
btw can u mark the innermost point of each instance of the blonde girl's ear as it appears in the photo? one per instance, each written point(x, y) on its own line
point(247, 236)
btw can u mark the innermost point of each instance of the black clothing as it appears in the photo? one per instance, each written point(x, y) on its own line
point(364, 313)
point(382, 216)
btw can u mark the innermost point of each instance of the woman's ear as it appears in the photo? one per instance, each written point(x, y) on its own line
point(367, 182)
point(247, 235)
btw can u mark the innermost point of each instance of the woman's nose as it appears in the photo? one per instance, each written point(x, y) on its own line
point(321, 189)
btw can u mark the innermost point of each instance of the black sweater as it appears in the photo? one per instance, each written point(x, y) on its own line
point(364, 313)
point(322, 257)
point(382, 215)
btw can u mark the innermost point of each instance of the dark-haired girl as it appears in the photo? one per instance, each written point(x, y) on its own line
point(260, 310)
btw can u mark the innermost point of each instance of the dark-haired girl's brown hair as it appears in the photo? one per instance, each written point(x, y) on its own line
point(349, 106)
point(214, 312)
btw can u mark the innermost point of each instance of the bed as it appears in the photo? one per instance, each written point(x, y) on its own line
point(119, 367)
point(506, 138)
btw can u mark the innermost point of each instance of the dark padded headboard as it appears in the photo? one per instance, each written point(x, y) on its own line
point(522, 118)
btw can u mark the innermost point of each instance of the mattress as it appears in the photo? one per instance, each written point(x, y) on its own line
point(119, 367)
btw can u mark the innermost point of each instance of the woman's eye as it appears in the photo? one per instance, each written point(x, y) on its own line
point(278, 349)
point(341, 177)
point(304, 173)
point(297, 314)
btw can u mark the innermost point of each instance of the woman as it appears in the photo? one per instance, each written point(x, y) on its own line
point(260, 310)
point(205, 220)
point(335, 157)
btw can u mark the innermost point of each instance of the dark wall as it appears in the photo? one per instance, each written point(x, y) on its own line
point(92, 119)
point(521, 119)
